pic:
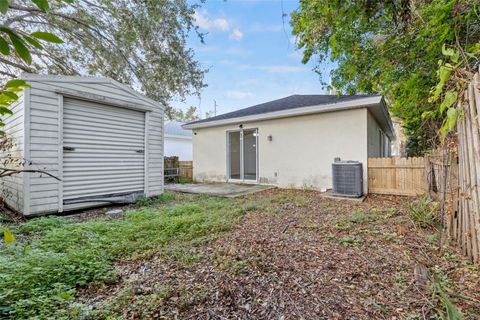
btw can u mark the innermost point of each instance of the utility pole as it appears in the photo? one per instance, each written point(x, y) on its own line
point(214, 107)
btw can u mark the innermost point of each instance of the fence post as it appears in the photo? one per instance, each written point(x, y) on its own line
point(427, 172)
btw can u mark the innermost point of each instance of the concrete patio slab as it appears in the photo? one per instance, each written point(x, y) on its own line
point(229, 190)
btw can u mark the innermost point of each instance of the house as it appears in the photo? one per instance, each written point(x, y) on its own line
point(291, 142)
point(178, 141)
point(101, 139)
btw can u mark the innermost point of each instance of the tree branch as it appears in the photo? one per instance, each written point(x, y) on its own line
point(6, 73)
point(6, 172)
point(16, 65)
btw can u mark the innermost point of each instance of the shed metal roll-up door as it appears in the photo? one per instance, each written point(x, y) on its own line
point(103, 150)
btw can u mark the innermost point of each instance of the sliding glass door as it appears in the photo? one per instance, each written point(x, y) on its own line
point(235, 155)
point(250, 154)
point(242, 155)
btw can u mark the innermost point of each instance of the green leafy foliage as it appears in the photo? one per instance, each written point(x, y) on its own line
point(42, 4)
point(450, 122)
point(46, 36)
point(8, 236)
point(142, 43)
point(53, 256)
point(3, 6)
point(444, 73)
point(452, 312)
point(191, 114)
point(423, 211)
point(438, 288)
point(4, 47)
point(448, 101)
point(18, 42)
point(33, 42)
point(16, 83)
point(393, 48)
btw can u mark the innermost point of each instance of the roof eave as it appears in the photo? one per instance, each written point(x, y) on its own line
point(90, 79)
point(339, 106)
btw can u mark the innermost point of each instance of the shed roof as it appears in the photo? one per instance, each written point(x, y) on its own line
point(97, 80)
point(295, 105)
point(174, 129)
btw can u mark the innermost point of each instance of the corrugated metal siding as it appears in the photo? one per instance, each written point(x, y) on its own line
point(44, 138)
point(44, 144)
point(11, 188)
point(106, 140)
point(155, 158)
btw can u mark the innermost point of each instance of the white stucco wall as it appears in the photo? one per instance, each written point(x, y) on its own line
point(301, 151)
point(178, 146)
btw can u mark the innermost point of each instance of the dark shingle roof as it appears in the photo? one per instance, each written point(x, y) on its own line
point(290, 102)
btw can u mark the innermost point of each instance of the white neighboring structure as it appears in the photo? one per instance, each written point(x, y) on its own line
point(102, 139)
point(178, 141)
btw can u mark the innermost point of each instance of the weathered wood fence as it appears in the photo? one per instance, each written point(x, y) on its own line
point(186, 169)
point(464, 223)
point(173, 168)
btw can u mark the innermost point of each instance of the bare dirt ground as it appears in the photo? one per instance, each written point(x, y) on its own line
point(296, 255)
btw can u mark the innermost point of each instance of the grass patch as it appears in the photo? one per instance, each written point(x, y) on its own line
point(5, 218)
point(53, 256)
point(291, 197)
point(356, 218)
point(392, 212)
point(158, 200)
point(346, 241)
point(251, 207)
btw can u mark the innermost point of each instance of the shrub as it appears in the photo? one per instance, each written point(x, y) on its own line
point(423, 211)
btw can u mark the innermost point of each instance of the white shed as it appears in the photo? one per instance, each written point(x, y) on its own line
point(102, 139)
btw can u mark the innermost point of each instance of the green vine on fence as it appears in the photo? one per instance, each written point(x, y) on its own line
point(454, 73)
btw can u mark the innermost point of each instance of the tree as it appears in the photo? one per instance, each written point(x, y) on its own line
point(191, 114)
point(16, 44)
point(137, 42)
point(392, 48)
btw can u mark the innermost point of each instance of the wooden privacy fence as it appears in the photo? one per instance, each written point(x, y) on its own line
point(173, 168)
point(186, 169)
point(398, 176)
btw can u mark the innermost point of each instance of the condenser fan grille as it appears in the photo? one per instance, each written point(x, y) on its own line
point(347, 178)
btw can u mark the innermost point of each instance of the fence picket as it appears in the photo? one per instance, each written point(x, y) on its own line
point(474, 171)
point(400, 176)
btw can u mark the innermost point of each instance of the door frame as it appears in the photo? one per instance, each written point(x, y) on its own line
point(242, 178)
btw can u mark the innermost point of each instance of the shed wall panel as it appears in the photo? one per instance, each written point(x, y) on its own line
point(43, 156)
point(12, 187)
point(155, 159)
